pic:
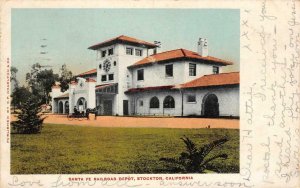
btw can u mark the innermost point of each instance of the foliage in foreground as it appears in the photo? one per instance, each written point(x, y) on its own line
point(67, 149)
point(29, 119)
point(195, 160)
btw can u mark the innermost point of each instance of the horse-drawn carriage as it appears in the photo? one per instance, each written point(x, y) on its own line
point(81, 115)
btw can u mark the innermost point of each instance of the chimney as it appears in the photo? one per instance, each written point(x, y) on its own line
point(203, 47)
point(158, 43)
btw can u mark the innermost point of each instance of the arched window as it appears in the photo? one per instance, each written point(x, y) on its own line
point(169, 102)
point(67, 107)
point(154, 102)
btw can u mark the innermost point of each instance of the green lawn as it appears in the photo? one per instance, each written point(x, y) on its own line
point(77, 149)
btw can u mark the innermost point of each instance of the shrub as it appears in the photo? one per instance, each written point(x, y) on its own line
point(29, 118)
point(195, 160)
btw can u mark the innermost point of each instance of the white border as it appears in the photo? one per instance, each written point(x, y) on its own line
point(256, 170)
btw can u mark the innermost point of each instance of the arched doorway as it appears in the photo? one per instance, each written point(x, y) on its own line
point(81, 104)
point(210, 106)
point(60, 107)
point(67, 107)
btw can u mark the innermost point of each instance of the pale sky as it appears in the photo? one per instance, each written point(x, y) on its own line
point(69, 32)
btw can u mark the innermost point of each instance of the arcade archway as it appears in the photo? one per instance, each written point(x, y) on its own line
point(67, 107)
point(81, 104)
point(60, 107)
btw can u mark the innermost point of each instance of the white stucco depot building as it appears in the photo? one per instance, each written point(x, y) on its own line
point(132, 79)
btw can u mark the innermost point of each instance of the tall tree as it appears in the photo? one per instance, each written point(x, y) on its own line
point(13, 76)
point(30, 120)
point(14, 86)
point(40, 81)
point(65, 77)
point(19, 96)
point(46, 79)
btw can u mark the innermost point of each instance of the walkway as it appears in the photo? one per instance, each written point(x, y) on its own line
point(162, 122)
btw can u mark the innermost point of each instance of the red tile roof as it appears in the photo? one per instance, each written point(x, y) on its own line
point(121, 39)
point(179, 54)
point(90, 80)
point(93, 71)
point(132, 90)
point(62, 96)
point(232, 78)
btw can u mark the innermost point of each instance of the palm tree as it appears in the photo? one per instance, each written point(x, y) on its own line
point(195, 160)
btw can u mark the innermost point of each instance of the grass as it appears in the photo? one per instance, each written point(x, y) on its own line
point(66, 149)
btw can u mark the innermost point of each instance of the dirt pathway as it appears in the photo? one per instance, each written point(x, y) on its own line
point(163, 122)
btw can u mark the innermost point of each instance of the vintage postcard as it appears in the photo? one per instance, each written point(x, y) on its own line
point(150, 93)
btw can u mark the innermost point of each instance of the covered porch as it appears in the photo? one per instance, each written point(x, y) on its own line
point(106, 99)
point(61, 104)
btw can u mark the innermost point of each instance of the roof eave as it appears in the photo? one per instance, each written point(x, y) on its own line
point(97, 46)
point(61, 97)
point(209, 86)
point(151, 63)
point(134, 90)
point(209, 61)
point(180, 59)
point(86, 74)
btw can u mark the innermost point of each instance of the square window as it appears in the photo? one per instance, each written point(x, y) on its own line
point(138, 52)
point(111, 77)
point(110, 51)
point(129, 51)
point(192, 69)
point(140, 74)
point(103, 53)
point(215, 70)
point(103, 78)
point(115, 63)
point(141, 103)
point(169, 70)
point(191, 98)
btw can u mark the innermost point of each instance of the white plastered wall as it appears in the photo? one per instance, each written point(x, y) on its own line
point(228, 98)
